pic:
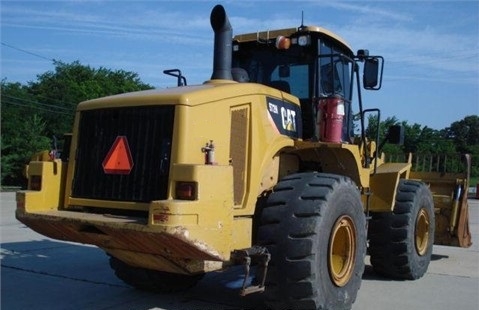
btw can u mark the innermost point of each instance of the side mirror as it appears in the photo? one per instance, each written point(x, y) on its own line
point(373, 72)
point(396, 135)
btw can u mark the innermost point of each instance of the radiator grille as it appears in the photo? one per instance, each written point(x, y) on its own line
point(149, 130)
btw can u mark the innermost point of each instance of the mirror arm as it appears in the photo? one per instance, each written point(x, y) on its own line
point(361, 112)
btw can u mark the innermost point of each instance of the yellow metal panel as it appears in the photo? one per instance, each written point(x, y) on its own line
point(131, 238)
point(215, 182)
point(208, 220)
point(384, 184)
point(50, 195)
point(71, 163)
point(242, 232)
point(338, 158)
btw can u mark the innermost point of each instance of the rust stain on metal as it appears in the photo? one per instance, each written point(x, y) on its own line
point(171, 244)
point(160, 217)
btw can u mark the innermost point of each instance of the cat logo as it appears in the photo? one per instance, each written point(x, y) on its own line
point(285, 116)
point(289, 119)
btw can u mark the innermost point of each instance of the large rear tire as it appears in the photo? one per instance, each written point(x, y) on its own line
point(400, 242)
point(314, 227)
point(152, 280)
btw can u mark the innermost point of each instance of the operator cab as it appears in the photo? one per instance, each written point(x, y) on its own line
point(312, 64)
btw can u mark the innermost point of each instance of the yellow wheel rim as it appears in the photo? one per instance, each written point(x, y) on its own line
point(422, 232)
point(342, 250)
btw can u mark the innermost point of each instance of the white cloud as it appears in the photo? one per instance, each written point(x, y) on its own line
point(371, 10)
point(386, 28)
point(425, 51)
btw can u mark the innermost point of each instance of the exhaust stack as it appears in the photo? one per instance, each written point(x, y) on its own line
point(223, 44)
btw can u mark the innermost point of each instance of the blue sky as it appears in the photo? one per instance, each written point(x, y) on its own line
point(431, 48)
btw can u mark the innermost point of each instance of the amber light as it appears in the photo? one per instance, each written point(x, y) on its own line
point(186, 190)
point(282, 43)
point(35, 182)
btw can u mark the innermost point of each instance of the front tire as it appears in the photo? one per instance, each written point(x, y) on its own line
point(400, 242)
point(314, 227)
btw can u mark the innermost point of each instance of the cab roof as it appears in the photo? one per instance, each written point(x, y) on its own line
point(287, 32)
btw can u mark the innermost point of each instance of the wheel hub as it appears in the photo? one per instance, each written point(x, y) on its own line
point(342, 250)
point(422, 232)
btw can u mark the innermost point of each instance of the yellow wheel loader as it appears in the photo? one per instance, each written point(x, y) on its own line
point(259, 166)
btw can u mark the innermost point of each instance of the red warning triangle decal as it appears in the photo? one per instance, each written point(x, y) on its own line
point(118, 160)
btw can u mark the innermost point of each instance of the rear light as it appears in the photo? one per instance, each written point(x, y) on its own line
point(186, 190)
point(35, 182)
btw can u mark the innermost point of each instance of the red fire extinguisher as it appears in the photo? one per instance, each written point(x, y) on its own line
point(330, 119)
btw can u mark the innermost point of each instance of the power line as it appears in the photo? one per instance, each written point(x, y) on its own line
point(34, 107)
point(38, 103)
point(27, 52)
point(45, 98)
point(41, 108)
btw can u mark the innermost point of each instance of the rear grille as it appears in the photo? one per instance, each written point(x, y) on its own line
point(148, 129)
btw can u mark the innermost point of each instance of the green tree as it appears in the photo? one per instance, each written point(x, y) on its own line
point(22, 131)
point(70, 84)
point(461, 137)
point(383, 127)
point(33, 113)
point(464, 133)
point(19, 145)
point(427, 140)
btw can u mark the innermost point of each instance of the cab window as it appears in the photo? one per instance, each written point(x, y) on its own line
point(334, 72)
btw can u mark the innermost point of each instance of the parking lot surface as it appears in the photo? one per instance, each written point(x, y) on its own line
point(41, 273)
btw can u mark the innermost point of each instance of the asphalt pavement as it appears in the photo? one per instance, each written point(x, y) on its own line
point(41, 273)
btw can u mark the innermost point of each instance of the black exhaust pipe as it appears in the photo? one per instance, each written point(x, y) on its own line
point(223, 44)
